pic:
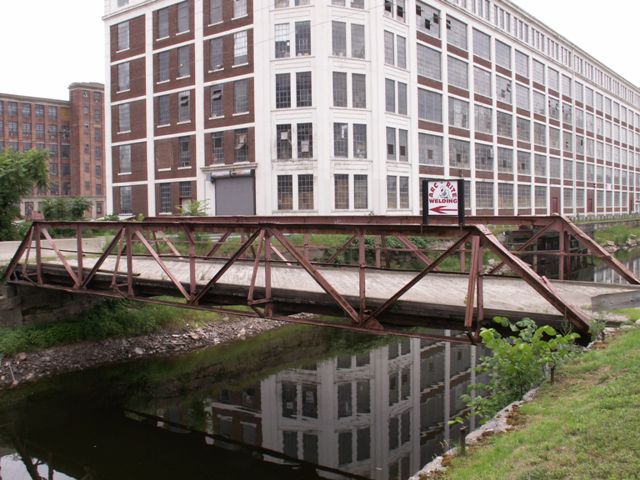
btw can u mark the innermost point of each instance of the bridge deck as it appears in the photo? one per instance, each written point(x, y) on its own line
point(436, 295)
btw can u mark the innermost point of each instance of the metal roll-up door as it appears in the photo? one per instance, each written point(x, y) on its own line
point(235, 196)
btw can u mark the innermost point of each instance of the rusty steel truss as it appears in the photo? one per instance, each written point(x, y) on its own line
point(263, 242)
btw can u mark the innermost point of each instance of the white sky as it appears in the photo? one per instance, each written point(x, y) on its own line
point(45, 45)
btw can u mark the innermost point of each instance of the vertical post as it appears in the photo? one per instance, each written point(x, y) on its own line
point(463, 259)
point(129, 253)
point(268, 308)
point(38, 255)
point(192, 261)
point(473, 277)
point(378, 260)
point(79, 253)
point(362, 262)
point(479, 287)
point(306, 245)
point(385, 251)
point(242, 240)
point(562, 252)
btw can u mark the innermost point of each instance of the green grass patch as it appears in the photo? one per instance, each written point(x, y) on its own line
point(631, 313)
point(618, 234)
point(114, 318)
point(587, 425)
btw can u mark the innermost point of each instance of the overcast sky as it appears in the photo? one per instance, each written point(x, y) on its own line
point(46, 45)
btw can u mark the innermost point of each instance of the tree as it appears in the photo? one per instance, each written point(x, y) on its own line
point(20, 172)
point(65, 208)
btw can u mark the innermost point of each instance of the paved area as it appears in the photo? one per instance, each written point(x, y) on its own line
point(446, 290)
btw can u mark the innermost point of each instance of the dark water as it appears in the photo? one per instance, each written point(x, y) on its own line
point(601, 273)
point(297, 403)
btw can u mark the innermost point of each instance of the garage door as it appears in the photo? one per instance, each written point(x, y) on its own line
point(235, 196)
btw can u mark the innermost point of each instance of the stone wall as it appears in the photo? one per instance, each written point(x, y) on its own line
point(21, 305)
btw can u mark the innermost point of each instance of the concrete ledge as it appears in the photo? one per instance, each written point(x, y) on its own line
point(612, 301)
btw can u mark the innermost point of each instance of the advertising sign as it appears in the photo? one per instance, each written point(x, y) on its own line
point(443, 197)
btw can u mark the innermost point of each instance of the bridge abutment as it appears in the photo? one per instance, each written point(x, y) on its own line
point(21, 305)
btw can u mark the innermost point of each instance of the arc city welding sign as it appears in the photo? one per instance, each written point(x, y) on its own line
point(443, 198)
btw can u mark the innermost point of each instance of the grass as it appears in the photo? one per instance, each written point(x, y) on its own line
point(632, 314)
point(587, 425)
point(113, 318)
point(618, 234)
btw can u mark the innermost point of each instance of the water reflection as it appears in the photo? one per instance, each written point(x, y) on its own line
point(601, 273)
point(379, 414)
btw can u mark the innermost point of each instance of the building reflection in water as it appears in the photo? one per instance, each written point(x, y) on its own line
point(381, 414)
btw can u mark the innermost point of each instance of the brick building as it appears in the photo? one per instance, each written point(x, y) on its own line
point(73, 133)
point(343, 106)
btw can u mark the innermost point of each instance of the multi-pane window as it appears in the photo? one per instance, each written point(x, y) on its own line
point(429, 63)
point(217, 107)
point(340, 140)
point(523, 127)
point(538, 72)
point(389, 50)
point(357, 41)
point(458, 73)
point(567, 114)
point(163, 110)
point(555, 167)
point(554, 138)
point(403, 145)
point(505, 195)
point(522, 97)
point(505, 160)
point(124, 117)
point(241, 96)
point(484, 157)
point(540, 165)
point(185, 151)
point(483, 119)
point(481, 44)
point(123, 36)
point(124, 157)
point(391, 144)
point(539, 134)
point(428, 19)
point(215, 11)
point(52, 112)
point(339, 38)
point(239, 8)
point(401, 52)
point(360, 191)
point(184, 106)
point(183, 17)
point(392, 192)
point(358, 90)
point(456, 32)
point(503, 54)
point(539, 103)
point(459, 154)
point(216, 56)
point(281, 40)
point(503, 89)
point(125, 200)
point(303, 89)
point(305, 192)
point(484, 195)
point(165, 198)
point(285, 192)
point(567, 141)
point(522, 64)
point(163, 66)
point(566, 85)
point(240, 48)
point(390, 95)
point(241, 145)
point(359, 140)
point(554, 108)
point(123, 77)
point(524, 163)
point(554, 79)
point(303, 38)
point(184, 63)
point(305, 140)
point(339, 89)
point(283, 90)
point(482, 82)
point(567, 169)
point(341, 190)
point(429, 106)
point(39, 111)
point(524, 196)
point(217, 147)
point(430, 149)
point(458, 113)
point(504, 125)
point(283, 142)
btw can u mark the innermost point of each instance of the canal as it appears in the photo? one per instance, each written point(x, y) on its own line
point(300, 402)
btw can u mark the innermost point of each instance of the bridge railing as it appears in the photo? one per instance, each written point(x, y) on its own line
point(182, 251)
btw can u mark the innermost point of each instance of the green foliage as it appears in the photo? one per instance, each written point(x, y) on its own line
point(517, 363)
point(19, 173)
point(195, 208)
point(63, 208)
point(112, 217)
point(617, 234)
point(113, 318)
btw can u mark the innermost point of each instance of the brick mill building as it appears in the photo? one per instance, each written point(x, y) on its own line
point(73, 133)
point(342, 106)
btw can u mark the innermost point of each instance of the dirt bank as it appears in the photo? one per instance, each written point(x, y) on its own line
point(27, 367)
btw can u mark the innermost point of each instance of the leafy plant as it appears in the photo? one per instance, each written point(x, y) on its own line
point(517, 363)
point(195, 208)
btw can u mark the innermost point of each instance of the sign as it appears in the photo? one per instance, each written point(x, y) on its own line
point(442, 198)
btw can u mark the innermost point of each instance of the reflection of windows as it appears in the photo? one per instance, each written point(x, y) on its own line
point(289, 396)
